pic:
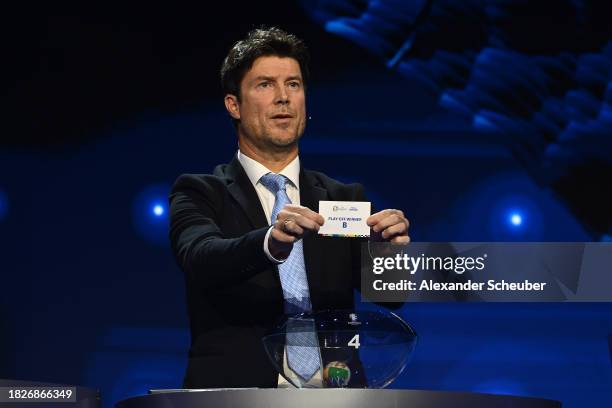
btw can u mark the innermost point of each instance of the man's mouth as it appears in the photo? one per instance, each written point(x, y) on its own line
point(282, 116)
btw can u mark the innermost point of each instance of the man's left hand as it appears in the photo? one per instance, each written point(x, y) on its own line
point(391, 224)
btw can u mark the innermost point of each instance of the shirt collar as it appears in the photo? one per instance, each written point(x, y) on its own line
point(255, 170)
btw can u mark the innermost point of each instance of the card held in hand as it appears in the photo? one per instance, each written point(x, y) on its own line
point(345, 218)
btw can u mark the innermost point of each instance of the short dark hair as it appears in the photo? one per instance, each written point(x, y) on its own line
point(258, 43)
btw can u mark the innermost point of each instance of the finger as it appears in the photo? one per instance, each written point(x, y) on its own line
point(377, 217)
point(393, 230)
point(282, 236)
point(282, 224)
point(401, 239)
point(306, 223)
point(392, 219)
point(306, 212)
point(291, 227)
point(299, 219)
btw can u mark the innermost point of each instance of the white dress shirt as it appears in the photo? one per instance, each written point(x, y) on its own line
point(255, 171)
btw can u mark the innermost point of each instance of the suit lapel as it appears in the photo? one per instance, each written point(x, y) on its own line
point(244, 193)
point(310, 195)
point(242, 190)
point(311, 192)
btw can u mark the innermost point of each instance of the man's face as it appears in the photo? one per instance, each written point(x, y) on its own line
point(272, 107)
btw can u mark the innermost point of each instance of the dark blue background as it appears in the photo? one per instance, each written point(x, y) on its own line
point(438, 108)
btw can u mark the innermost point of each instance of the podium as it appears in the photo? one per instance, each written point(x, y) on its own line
point(328, 398)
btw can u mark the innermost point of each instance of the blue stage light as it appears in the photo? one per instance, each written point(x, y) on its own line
point(150, 214)
point(516, 219)
point(158, 210)
point(514, 207)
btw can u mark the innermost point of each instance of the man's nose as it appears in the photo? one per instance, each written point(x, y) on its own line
point(282, 97)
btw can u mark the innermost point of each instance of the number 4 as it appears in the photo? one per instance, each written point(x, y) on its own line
point(354, 341)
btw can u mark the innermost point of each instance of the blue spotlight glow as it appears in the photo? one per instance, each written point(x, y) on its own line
point(516, 219)
point(158, 210)
point(150, 214)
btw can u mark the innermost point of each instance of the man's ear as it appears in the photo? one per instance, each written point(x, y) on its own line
point(232, 106)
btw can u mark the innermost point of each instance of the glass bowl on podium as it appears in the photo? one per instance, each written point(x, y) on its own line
point(344, 349)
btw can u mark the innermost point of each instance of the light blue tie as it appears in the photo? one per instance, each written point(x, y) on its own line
point(302, 344)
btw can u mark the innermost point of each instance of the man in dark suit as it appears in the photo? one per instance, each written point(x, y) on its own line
point(245, 236)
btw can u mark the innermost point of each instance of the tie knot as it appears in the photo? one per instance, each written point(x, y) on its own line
point(274, 182)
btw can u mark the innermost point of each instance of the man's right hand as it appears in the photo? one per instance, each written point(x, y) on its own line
point(292, 224)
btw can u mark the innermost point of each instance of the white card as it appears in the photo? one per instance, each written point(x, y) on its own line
point(345, 218)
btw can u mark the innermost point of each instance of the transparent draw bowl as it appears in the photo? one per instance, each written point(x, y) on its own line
point(340, 348)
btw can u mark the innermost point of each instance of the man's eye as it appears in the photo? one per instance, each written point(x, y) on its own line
point(294, 85)
point(264, 85)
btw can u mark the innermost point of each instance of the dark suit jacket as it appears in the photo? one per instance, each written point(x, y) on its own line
point(234, 293)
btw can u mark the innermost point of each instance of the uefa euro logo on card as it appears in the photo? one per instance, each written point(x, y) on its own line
point(345, 218)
